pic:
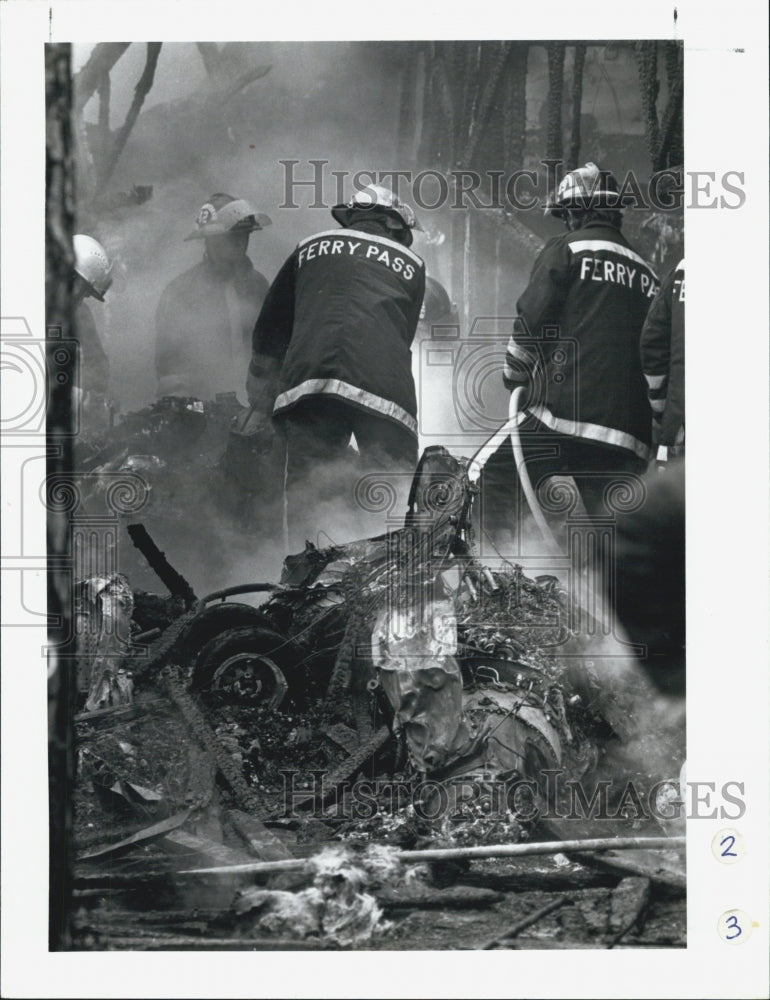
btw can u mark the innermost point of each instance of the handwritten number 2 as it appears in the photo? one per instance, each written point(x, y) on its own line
point(732, 924)
point(727, 852)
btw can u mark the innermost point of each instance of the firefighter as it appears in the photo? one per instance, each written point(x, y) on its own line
point(205, 316)
point(662, 343)
point(575, 349)
point(663, 362)
point(331, 358)
point(93, 278)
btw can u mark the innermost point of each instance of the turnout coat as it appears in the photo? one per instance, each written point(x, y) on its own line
point(339, 321)
point(663, 357)
point(203, 328)
point(579, 326)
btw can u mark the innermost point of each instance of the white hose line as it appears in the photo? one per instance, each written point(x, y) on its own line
point(521, 468)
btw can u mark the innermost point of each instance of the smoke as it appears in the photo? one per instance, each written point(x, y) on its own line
point(187, 144)
point(325, 101)
point(334, 102)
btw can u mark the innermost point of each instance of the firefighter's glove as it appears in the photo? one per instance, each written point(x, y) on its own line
point(520, 362)
point(262, 384)
point(253, 431)
point(516, 373)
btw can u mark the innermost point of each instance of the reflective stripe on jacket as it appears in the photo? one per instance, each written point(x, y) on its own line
point(581, 318)
point(340, 318)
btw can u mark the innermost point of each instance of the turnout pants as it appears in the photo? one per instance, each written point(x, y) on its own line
point(333, 493)
point(602, 474)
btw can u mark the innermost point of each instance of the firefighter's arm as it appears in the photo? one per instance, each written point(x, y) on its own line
point(262, 383)
point(520, 360)
point(539, 307)
point(655, 348)
point(270, 340)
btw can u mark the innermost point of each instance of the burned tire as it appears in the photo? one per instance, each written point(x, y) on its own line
point(245, 664)
point(216, 620)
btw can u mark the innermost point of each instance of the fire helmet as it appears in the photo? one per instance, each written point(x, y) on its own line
point(383, 203)
point(223, 214)
point(92, 264)
point(585, 187)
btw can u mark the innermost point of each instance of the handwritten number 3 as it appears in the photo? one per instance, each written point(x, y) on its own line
point(727, 853)
point(732, 924)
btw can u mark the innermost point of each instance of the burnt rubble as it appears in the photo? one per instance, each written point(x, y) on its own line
point(257, 788)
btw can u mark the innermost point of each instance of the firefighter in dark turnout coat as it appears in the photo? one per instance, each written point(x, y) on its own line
point(205, 316)
point(332, 356)
point(663, 362)
point(576, 346)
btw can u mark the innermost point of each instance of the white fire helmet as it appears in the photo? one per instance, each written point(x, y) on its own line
point(585, 187)
point(92, 264)
point(223, 214)
point(384, 201)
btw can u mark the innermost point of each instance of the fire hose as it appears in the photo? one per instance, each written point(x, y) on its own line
point(511, 429)
point(521, 467)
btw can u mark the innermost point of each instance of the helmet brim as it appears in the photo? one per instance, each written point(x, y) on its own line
point(344, 214)
point(254, 224)
point(602, 199)
point(91, 290)
point(93, 293)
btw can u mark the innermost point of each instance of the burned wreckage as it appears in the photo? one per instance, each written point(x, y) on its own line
point(387, 693)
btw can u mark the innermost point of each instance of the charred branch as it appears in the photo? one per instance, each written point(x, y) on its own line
point(243, 81)
point(577, 102)
point(481, 115)
point(262, 842)
point(143, 87)
point(526, 922)
point(554, 142)
point(169, 577)
point(647, 61)
point(144, 836)
point(209, 53)
point(91, 76)
point(198, 725)
point(118, 712)
point(668, 151)
point(515, 106)
point(104, 91)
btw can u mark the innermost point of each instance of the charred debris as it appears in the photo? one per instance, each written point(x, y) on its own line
point(243, 781)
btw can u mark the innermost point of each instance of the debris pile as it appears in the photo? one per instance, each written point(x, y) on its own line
point(386, 695)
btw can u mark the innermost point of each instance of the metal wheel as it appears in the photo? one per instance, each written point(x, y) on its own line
point(251, 677)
